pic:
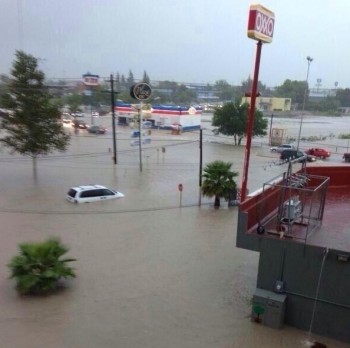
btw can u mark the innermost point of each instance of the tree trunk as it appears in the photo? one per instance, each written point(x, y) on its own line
point(217, 202)
point(35, 174)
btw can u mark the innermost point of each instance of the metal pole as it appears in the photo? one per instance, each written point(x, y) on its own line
point(140, 143)
point(309, 60)
point(200, 164)
point(113, 122)
point(92, 119)
point(271, 129)
point(251, 121)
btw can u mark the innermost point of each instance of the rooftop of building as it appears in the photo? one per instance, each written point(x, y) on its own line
point(310, 206)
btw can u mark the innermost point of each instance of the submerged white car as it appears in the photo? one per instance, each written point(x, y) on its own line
point(91, 193)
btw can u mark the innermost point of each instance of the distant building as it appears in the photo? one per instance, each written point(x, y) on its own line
point(344, 110)
point(317, 94)
point(270, 104)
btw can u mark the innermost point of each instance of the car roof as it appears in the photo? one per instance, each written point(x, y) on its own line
point(88, 187)
point(292, 150)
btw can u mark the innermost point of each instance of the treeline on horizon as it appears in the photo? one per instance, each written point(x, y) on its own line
point(67, 91)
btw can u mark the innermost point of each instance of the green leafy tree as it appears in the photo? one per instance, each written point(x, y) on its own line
point(101, 95)
point(343, 95)
point(74, 100)
point(218, 180)
point(259, 310)
point(126, 97)
point(294, 90)
point(183, 95)
point(325, 105)
point(4, 81)
point(232, 119)
point(117, 82)
point(131, 79)
point(224, 91)
point(247, 84)
point(145, 77)
point(123, 84)
point(39, 266)
point(34, 127)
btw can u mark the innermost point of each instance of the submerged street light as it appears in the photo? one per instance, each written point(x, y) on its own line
point(309, 60)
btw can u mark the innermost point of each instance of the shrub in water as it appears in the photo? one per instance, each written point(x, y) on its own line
point(39, 266)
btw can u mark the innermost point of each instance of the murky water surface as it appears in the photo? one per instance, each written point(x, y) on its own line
point(150, 273)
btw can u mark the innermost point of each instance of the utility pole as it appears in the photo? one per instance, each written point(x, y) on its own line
point(113, 121)
point(200, 164)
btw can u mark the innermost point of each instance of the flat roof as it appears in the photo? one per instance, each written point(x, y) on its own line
point(332, 231)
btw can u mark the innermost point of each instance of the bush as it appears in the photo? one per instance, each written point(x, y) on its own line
point(344, 136)
point(39, 267)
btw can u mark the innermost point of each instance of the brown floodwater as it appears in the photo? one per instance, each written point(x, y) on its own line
point(151, 273)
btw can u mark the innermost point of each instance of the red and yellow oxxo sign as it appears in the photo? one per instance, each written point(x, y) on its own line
point(261, 23)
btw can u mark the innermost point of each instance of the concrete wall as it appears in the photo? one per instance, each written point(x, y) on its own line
point(299, 266)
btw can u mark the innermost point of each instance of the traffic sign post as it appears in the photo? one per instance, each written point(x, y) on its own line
point(141, 91)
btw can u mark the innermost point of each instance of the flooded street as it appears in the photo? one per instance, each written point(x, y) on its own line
point(150, 273)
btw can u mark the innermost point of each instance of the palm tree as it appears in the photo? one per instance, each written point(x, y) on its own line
point(218, 180)
point(39, 267)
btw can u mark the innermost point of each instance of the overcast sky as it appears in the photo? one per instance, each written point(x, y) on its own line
point(178, 40)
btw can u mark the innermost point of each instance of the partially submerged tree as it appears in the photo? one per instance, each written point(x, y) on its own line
point(232, 119)
point(39, 266)
point(33, 128)
point(218, 180)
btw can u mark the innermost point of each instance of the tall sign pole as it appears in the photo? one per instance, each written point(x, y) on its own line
point(91, 80)
point(261, 24)
point(141, 91)
point(140, 135)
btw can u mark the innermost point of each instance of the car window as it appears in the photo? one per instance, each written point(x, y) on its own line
point(93, 193)
point(72, 193)
point(87, 193)
point(107, 192)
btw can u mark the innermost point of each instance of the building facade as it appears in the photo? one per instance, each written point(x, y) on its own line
point(270, 104)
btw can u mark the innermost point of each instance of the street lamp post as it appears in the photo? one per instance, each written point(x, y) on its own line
point(309, 60)
point(271, 129)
